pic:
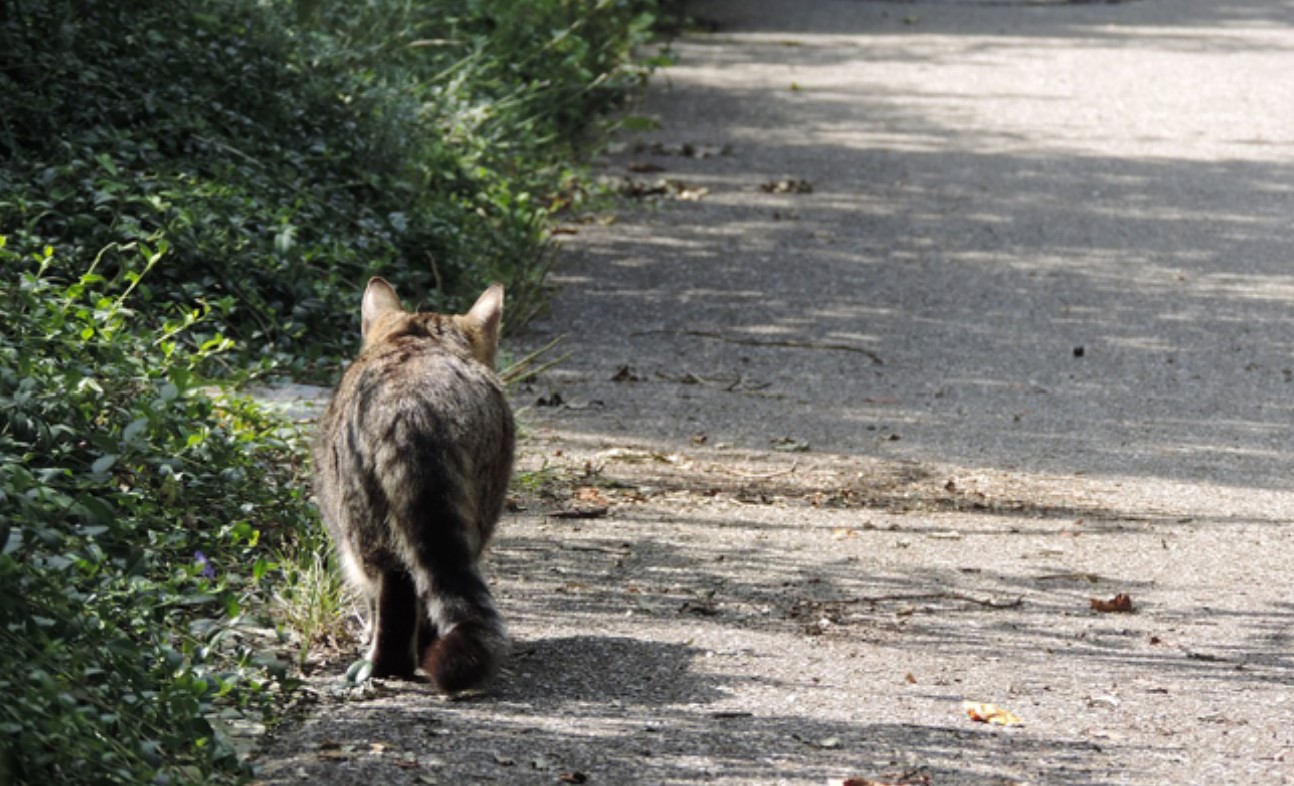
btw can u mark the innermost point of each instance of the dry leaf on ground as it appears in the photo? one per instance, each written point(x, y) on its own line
point(627, 374)
point(787, 186)
point(1120, 604)
point(591, 494)
point(991, 714)
point(638, 189)
point(913, 778)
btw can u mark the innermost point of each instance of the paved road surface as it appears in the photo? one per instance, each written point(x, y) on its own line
point(868, 451)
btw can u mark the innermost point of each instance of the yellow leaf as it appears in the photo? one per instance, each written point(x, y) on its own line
point(990, 713)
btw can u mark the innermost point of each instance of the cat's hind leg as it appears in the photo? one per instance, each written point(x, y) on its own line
point(396, 622)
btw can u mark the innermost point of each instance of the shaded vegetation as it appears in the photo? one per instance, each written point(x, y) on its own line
point(288, 150)
point(134, 511)
point(188, 189)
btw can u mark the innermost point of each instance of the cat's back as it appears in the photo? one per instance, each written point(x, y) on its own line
point(418, 426)
point(419, 379)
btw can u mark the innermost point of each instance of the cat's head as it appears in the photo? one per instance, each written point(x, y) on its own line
point(385, 319)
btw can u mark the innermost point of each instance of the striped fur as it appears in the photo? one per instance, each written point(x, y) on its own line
point(411, 471)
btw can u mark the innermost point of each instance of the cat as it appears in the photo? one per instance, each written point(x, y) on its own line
point(411, 465)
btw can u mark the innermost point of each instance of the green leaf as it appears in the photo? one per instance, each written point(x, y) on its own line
point(103, 464)
point(107, 163)
point(261, 567)
point(182, 378)
point(95, 509)
point(133, 429)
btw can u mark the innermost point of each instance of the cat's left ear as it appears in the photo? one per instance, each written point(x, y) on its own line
point(483, 321)
point(379, 300)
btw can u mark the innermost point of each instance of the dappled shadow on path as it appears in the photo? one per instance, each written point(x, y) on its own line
point(1010, 583)
point(1030, 249)
point(1004, 269)
point(1104, 290)
point(711, 606)
point(1192, 25)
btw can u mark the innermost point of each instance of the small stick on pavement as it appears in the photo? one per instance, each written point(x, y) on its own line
point(621, 552)
point(763, 342)
point(579, 513)
point(756, 475)
point(989, 603)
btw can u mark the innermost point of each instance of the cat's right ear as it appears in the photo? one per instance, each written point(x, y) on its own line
point(379, 300)
point(482, 324)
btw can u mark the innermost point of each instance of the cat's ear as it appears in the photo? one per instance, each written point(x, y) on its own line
point(482, 322)
point(379, 300)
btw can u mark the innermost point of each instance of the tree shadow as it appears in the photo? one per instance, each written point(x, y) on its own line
point(1191, 26)
point(551, 674)
point(1155, 294)
point(1037, 306)
point(698, 570)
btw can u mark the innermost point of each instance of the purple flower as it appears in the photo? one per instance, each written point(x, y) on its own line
point(208, 572)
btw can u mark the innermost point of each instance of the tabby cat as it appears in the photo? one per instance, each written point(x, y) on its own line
point(411, 471)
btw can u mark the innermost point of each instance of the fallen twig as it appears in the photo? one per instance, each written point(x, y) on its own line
point(579, 513)
point(771, 342)
point(756, 475)
point(620, 552)
point(1090, 578)
point(737, 384)
point(988, 603)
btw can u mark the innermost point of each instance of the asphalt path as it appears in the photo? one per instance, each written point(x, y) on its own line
point(932, 323)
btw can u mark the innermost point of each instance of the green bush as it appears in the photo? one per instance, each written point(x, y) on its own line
point(287, 150)
point(133, 507)
point(219, 177)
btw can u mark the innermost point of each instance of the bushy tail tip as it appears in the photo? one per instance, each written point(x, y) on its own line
point(468, 657)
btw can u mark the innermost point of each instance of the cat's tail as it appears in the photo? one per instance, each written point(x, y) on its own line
point(471, 642)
